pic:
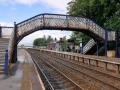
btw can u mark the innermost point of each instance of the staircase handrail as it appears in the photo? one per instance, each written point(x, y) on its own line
point(90, 43)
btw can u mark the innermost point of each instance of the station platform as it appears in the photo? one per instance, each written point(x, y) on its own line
point(23, 75)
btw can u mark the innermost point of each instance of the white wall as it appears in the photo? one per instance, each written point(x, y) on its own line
point(6, 32)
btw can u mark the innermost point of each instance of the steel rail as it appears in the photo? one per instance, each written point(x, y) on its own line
point(50, 85)
point(88, 75)
point(94, 78)
point(54, 64)
point(59, 73)
point(64, 75)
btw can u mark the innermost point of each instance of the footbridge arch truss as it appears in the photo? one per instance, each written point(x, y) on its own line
point(62, 22)
point(57, 22)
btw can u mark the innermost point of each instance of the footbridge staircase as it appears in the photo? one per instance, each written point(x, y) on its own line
point(5, 34)
point(56, 22)
point(91, 43)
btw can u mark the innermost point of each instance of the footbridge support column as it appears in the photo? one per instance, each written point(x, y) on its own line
point(117, 40)
point(106, 41)
point(14, 58)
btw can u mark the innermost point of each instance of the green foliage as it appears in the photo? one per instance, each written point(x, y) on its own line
point(105, 13)
point(97, 10)
point(78, 35)
point(49, 39)
point(65, 45)
point(42, 41)
point(39, 42)
point(114, 22)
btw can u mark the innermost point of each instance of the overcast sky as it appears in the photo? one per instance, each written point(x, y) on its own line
point(19, 10)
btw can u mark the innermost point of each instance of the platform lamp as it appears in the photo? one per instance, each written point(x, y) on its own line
point(81, 46)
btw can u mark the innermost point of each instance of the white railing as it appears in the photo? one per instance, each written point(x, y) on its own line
point(88, 46)
point(6, 32)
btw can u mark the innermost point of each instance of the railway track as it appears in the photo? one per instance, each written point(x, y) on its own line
point(54, 79)
point(100, 79)
point(91, 79)
point(101, 76)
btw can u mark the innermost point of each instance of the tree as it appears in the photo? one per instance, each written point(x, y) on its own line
point(65, 45)
point(98, 10)
point(106, 13)
point(42, 41)
point(39, 42)
point(78, 35)
point(49, 39)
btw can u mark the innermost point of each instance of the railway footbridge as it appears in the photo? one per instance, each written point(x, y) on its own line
point(57, 22)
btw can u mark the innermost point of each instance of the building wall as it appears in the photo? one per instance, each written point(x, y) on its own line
point(51, 46)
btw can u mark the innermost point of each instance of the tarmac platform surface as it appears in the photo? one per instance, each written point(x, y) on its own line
point(23, 75)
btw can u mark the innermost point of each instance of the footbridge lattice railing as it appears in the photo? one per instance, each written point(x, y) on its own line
point(55, 21)
point(61, 22)
point(89, 45)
